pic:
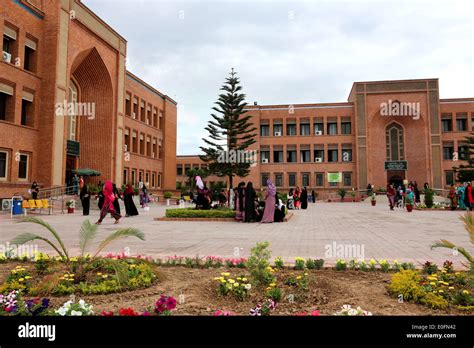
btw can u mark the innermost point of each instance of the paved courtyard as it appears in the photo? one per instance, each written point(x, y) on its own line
point(382, 234)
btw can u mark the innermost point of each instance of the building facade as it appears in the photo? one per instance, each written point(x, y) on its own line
point(184, 163)
point(387, 131)
point(66, 102)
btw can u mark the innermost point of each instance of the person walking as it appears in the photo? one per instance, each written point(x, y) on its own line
point(117, 198)
point(85, 199)
point(240, 202)
point(130, 208)
point(468, 199)
point(304, 198)
point(108, 206)
point(391, 195)
point(269, 212)
point(460, 191)
point(313, 196)
point(453, 198)
point(417, 193)
point(250, 196)
point(296, 197)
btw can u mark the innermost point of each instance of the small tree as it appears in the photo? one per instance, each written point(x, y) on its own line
point(230, 131)
point(429, 197)
point(342, 193)
point(258, 264)
point(465, 172)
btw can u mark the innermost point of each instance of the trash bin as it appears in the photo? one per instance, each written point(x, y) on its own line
point(16, 206)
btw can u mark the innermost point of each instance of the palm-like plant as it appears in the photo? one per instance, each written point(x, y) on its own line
point(87, 234)
point(468, 220)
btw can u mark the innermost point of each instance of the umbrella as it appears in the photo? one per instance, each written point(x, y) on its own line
point(86, 172)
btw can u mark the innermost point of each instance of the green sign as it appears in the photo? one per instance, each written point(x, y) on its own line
point(396, 165)
point(73, 148)
point(335, 177)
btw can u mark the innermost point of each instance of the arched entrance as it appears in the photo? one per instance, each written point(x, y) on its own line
point(93, 120)
point(395, 153)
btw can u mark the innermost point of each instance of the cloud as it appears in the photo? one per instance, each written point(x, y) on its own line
point(289, 52)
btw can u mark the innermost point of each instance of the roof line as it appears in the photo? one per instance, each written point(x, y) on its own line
point(153, 90)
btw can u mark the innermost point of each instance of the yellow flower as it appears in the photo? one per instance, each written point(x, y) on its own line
point(225, 274)
point(244, 279)
point(236, 285)
point(272, 284)
point(105, 276)
point(465, 292)
point(451, 288)
point(269, 288)
point(298, 277)
point(99, 273)
point(239, 279)
point(217, 278)
point(232, 281)
point(306, 274)
point(27, 277)
point(433, 283)
point(223, 281)
point(21, 279)
point(440, 291)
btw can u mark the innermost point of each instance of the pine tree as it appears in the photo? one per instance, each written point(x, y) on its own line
point(465, 173)
point(230, 131)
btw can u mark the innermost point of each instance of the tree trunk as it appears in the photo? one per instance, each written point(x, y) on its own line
point(231, 177)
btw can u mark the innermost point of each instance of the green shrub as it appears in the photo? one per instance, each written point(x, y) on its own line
point(310, 264)
point(434, 301)
point(299, 263)
point(168, 195)
point(258, 264)
point(430, 268)
point(318, 263)
point(341, 193)
point(279, 263)
point(406, 283)
point(429, 198)
point(274, 293)
point(193, 213)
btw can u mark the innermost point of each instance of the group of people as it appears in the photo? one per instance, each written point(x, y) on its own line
point(109, 197)
point(399, 195)
point(249, 208)
point(461, 196)
point(298, 199)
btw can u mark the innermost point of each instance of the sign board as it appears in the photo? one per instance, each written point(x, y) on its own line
point(396, 165)
point(73, 148)
point(335, 177)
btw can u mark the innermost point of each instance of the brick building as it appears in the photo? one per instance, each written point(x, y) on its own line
point(68, 102)
point(386, 131)
point(184, 163)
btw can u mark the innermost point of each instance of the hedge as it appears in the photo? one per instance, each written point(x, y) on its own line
point(193, 213)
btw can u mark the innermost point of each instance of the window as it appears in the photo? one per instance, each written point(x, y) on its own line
point(30, 55)
point(332, 155)
point(134, 142)
point(304, 129)
point(319, 179)
point(160, 125)
point(10, 43)
point(278, 180)
point(461, 122)
point(446, 123)
point(142, 144)
point(6, 44)
point(265, 156)
point(291, 129)
point(319, 155)
point(264, 130)
point(148, 147)
point(291, 156)
point(292, 179)
point(6, 113)
point(305, 179)
point(332, 128)
point(395, 150)
point(277, 130)
point(135, 108)
point(125, 176)
point(264, 177)
point(463, 152)
point(347, 179)
point(73, 97)
point(179, 170)
point(147, 178)
point(134, 177)
point(23, 167)
point(128, 105)
point(448, 150)
point(142, 111)
point(318, 128)
point(26, 113)
point(159, 180)
point(346, 154)
point(449, 178)
point(305, 155)
point(346, 127)
point(333, 184)
point(3, 165)
point(278, 156)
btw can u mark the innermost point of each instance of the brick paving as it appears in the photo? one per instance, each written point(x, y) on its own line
point(382, 233)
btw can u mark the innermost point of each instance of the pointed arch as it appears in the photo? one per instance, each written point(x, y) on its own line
point(395, 142)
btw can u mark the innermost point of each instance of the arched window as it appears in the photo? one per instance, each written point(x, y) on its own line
point(395, 142)
point(72, 111)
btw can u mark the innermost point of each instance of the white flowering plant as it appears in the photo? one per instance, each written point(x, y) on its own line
point(347, 310)
point(71, 308)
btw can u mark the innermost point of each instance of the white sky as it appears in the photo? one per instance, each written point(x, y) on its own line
point(289, 52)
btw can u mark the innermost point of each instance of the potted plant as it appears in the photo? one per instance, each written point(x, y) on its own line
point(353, 195)
point(409, 204)
point(341, 193)
point(168, 196)
point(373, 199)
point(71, 204)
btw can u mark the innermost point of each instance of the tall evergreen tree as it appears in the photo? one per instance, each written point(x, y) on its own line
point(465, 172)
point(230, 131)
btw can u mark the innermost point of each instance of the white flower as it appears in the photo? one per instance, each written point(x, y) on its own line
point(248, 286)
point(61, 311)
point(82, 304)
point(76, 313)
